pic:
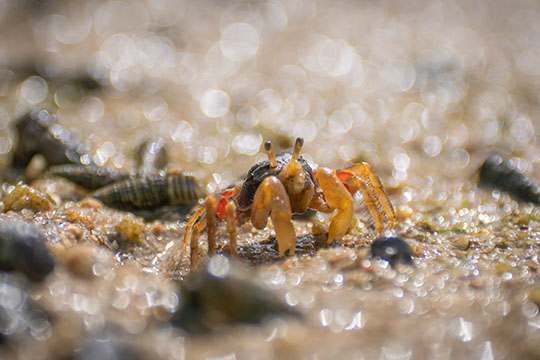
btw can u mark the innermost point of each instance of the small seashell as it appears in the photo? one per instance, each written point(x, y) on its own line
point(38, 133)
point(502, 174)
point(151, 192)
point(91, 177)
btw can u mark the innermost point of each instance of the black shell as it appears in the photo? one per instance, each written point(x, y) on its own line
point(259, 172)
point(502, 174)
point(22, 248)
point(393, 249)
point(38, 133)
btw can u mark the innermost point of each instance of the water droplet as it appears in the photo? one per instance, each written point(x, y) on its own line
point(34, 90)
point(432, 145)
point(247, 144)
point(325, 317)
point(340, 122)
point(215, 103)
point(219, 266)
point(92, 109)
point(239, 41)
point(463, 329)
point(247, 117)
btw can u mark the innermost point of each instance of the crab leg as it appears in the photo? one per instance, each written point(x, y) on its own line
point(271, 199)
point(199, 212)
point(367, 176)
point(195, 242)
point(211, 223)
point(230, 210)
point(338, 197)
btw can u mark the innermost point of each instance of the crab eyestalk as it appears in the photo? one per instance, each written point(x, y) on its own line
point(297, 147)
point(270, 152)
point(292, 175)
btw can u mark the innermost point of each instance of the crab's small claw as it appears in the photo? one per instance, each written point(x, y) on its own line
point(271, 199)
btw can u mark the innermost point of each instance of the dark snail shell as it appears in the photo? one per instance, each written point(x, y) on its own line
point(38, 133)
point(502, 174)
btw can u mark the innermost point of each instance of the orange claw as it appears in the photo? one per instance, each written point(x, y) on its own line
point(372, 190)
point(337, 197)
point(354, 184)
point(271, 199)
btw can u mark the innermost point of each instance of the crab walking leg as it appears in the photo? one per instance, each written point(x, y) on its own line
point(338, 197)
point(365, 172)
point(271, 199)
point(189, 226)
point(211, 223)
point(355, 183)
point(230, 210)
point(195, 242)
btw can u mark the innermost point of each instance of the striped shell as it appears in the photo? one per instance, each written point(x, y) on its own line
point(91, 177)
point(151, 192)
point(151, 157)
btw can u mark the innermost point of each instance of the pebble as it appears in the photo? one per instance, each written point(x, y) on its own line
point(393, 249)
point(22, 248)
point(26, 197)
point(210, 302)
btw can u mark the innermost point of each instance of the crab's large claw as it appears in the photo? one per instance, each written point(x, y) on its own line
point(361, 177)
point(338, 197)
point(271, 199)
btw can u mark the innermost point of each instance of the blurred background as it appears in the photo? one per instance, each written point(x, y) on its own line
point(417, 89)
point(422, 90)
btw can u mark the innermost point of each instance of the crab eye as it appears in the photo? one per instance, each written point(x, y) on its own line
point(270, 152)
point(297, 146)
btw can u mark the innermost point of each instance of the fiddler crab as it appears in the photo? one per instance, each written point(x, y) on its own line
point(286, 185)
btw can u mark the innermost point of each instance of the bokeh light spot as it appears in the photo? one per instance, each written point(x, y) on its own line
point(215, 103)
point(34, 90)
point(239, 41)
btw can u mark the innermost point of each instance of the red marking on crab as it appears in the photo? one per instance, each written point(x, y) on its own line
point(342, 175)
point(221, 208)
point(221, 211)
